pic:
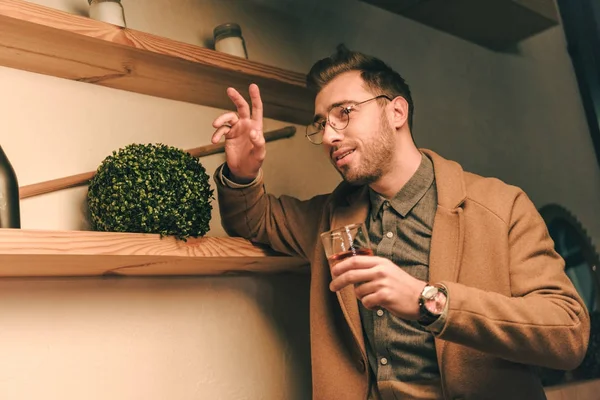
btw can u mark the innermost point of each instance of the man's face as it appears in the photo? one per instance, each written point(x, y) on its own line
point(363, 151)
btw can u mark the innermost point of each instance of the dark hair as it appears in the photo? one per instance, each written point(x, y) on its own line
point(376, 74)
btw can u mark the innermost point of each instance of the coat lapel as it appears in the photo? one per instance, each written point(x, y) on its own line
point(355, 211)
point(446, 245)
point(448, 228)
point(445, 253)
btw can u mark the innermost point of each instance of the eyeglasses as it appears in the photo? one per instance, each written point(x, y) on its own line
point(338, 118)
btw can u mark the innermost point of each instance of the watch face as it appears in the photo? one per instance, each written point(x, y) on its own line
point(431, 303)
point(430, 292)
point(436, 305)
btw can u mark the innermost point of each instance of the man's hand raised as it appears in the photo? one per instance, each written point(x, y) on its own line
point(244, 141)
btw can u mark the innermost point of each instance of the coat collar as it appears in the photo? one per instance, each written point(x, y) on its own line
point(450, 182)
point(451, 187)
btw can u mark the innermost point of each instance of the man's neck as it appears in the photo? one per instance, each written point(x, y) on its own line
point(407, 163)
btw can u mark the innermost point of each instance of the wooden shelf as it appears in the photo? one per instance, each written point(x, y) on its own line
point(498, 25)
point(31, 253)
point(47, 41)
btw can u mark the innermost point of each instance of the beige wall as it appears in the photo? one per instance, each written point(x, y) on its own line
point(515, 116)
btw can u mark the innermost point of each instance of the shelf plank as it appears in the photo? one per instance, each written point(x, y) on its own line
point(32, 253)
point(497, 25)
point(47, 41)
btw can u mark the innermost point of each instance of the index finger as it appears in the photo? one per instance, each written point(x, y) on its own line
point(355, 262)
point(240, 103)
point(257, 105)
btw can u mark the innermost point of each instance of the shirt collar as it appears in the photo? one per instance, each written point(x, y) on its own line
point(410, 194)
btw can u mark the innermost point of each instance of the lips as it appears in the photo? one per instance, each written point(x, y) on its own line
point(342, 156)
point(341, 153)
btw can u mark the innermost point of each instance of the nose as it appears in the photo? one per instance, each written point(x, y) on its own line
point(331, 136)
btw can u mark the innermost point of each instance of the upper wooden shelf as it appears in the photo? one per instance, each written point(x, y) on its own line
point(32, 253)
point(47, 41)
point(498, 25)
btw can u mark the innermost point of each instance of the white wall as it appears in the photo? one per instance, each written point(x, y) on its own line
point(139, 339)
point(514, 116)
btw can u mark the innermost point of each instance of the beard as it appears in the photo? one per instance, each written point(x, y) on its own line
point(375, 157)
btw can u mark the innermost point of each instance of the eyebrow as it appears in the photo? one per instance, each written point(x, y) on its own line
point(336, 104)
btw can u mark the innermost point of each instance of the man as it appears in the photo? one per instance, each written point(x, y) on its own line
point(464, 293)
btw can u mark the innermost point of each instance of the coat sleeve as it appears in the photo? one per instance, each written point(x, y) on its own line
point(286, 224)
point(544, 322)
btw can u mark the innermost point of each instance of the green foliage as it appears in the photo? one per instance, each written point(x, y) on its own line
point(151, 188)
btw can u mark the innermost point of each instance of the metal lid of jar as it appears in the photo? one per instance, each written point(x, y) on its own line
point(227, 30)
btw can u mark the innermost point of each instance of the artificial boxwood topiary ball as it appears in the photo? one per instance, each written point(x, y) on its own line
point(151, 188)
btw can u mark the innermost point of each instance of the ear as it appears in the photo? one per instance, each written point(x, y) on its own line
point(400, 109)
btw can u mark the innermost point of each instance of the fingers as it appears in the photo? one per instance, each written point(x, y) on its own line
point(225, 122)
point(258, 140)
point(364, 289)
point(229, 118)
point(356, 262)
point(353, 277)
point(219, 133)
point(240, 103)
point(373, 300)
point(372, 294)
point(257, 105)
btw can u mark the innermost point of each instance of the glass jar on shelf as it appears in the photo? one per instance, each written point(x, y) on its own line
point(229, 39)
point(110, 11)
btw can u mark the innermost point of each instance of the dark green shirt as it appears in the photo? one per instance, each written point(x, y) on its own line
point(400, 230)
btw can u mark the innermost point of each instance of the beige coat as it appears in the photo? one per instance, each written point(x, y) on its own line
point(510, 303)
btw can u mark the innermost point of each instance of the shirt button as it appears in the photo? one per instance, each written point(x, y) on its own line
point(389, 235)
point(380, 313)
point(383, 361)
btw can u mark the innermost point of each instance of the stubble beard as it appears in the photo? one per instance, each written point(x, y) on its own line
point(376, 157)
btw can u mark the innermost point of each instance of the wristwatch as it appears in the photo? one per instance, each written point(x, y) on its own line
point(431, 303)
